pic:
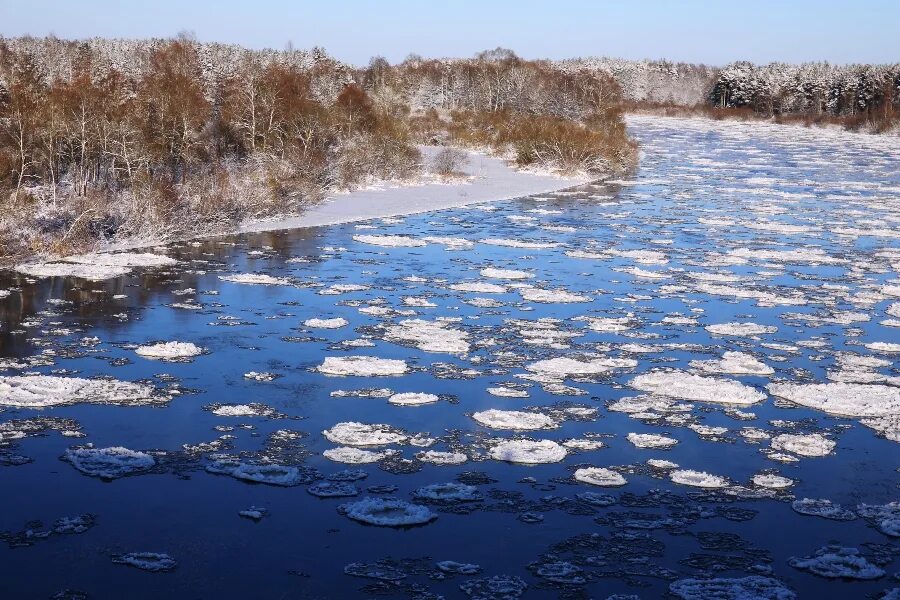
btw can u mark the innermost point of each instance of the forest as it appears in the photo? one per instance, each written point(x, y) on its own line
point(116, 139)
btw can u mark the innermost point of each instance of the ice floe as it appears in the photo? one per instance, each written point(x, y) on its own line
point(695, 388)
point(169, 350)
point(513, 419)
point(109, 463)
point(599, 476)
point(40, 391)
point(362, 366)
point(388, 512)
point(528, 451)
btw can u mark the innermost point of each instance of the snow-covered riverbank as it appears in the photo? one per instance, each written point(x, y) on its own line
point(489, 179)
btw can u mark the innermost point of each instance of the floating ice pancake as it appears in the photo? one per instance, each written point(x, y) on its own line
point(254, 409)
point(513, 419)
point(740, 329)
point(429, 336)
point(610, 324)
point(333, 489)
point(356, 456)
point(774, 482)
point(650, 440)
point(256, 279)
point(884, 347)
point(362, 366)
point(478, 287)
point(388, 512)
point(753, 587)
point(686, 386)
point(507, 392)
point(147, 561)
point(109, 463)
point(447, 493)
point(124, 259)
point(565, 367)
point(169, 351)
point(505, 273)
point(352, 433)
point(413, 399)
point(519, 243)
point(599, 476)
point(733, 363)
point(437, 457)
point(885, 516)
point(544, 296)
point(390, 241)
point(450, 243)
point(60, 269)
point(812, 256)
point(825, 509)
point(39, 391)
point(836, 562)
point(842, 399)
point(335, 323)
point(809, 445)
point(498, 587)
point(270, 474)
point(699, 479)
point(528, 451)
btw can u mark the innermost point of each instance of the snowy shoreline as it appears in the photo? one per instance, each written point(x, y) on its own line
point(488, 179)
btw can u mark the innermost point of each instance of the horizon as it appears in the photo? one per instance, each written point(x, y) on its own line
point(691, 32)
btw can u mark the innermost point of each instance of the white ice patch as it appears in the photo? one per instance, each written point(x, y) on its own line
point(519, 244)
point(390, 241)
point(740, 329)
point(733, 363)
point(38, 391)
point(650, 440)
point(842, 399)
point(362, 366)
point(352, 433)
point(335, 323)
point(428, 336)
point(255, 279)
point(169, 351)
point(563, 367)
point(279, 475)
point(528, 451)
point(836, 562)
point(542, 296)
point(809, 445)
point(599, 476)
point(388, 512)
point(436, 457)
point(355, 456)
point(478, 287)
point(505, 274)
point(513, 419)
point(686, 386)
point(109, 463)
point(699, 479)
point(59, 269)
point(753, 587)
point(770, 481)
point(413, 399)
point(125, 259)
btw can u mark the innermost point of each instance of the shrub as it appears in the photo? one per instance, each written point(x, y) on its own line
point(448, 162)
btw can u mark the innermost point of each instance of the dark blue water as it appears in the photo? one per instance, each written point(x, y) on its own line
point(708, 198)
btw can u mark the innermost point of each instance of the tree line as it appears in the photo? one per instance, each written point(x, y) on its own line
point(105, 139)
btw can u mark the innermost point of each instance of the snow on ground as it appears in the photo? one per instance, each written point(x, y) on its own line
point(493, 179)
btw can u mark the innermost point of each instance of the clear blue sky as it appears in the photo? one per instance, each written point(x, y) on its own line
point(713, 31)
